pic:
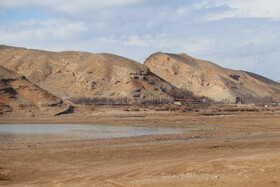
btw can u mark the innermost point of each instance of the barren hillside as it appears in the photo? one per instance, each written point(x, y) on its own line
point(17, 94)
point(81, 74)
point(204, 78)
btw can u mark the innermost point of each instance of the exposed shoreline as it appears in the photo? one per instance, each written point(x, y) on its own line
point(219, 150)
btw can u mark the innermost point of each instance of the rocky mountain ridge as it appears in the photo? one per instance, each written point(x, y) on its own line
point(204, 78)
point(80, 74)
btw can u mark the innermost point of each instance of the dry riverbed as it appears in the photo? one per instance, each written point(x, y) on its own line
point(229, 150)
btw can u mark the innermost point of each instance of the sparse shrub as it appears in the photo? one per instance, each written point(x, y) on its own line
point(214, 109)
point(125, 109)
point(157, 108)
point(135, 109)
point(267, 109)
point(3, 177)
point(242, 109)
point(251, 109)
point(182, 110)
point(262, 109)
point(196, 109)
point(164, 108)
point(174, 107)
point(256, 109)
point(272, 109)
point(92, 108)
point(190, 108)
point(224, 109)
point(178, 93)
point(185, 109)
point(100, 100)
point(236, 109)
point(231, 109)
point(151, 107)
point(119, 100)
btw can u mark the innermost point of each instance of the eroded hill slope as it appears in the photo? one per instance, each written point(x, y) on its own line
point(204, 78)
point(81, 74)
point(17, 94)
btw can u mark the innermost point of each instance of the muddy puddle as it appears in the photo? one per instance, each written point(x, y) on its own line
point(24, 133)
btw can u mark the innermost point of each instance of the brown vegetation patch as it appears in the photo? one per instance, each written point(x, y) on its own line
point(135, 109)
point(125, 109)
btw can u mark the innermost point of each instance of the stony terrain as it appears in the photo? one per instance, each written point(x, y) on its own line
point(17, 94)
point(80, 74)
point(204, 78)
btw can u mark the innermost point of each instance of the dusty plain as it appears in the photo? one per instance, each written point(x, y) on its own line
point(233, 149)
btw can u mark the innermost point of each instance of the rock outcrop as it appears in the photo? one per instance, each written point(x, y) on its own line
point(204, 78)
point(17, 94)
point(81, 74)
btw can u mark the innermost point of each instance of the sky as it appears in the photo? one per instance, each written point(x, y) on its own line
point(237, 34)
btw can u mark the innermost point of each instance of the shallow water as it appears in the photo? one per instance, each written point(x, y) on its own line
point(24, 133)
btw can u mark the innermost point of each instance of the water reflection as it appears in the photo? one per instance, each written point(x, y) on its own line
point(63, 132)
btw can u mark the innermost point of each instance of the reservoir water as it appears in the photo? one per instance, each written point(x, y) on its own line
point(25, 133)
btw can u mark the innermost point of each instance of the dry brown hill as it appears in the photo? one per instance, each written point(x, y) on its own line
point(204, 78)
point(81, 74)
point(17, 94)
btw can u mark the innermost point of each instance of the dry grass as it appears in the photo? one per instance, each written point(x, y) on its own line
point(164, 108)
point(151, 108)
point(177, 108)
point(157, 108)
point(135, 109)
point(185, 109)
point(246, 109)
point(167, 108)
point(214, 109)
point(125, 109)
point(92, 108)
point(231, 109)
point(182, 110)
point(3, 177)
point(174, 107)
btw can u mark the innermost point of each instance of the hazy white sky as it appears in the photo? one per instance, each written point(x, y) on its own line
point(238, 34)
